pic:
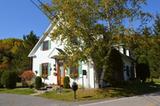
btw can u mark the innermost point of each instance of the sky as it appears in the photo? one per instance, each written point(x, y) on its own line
point(19, 17)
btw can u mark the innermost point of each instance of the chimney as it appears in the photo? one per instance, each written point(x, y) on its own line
point(127, 52)
point(121, 49)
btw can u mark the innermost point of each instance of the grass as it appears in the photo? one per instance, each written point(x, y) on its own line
point(157, 81)
point(67, 94)
point(18, 90)
point(122, 90)
point(23, 91)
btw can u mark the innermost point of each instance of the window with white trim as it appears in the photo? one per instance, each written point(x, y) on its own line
point(45, 45)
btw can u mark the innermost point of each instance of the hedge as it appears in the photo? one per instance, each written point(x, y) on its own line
point(9, 79)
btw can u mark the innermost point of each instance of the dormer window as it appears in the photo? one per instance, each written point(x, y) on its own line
point(46, 45)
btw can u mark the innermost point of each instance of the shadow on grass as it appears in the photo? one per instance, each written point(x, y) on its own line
point(131, 89)
point(120, 90)
point(87, 97)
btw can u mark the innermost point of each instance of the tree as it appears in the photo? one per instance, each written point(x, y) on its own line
point(154, 54)
point(153, 58)
point(142, 71)
point(87, 26)
point(22, 61)
point(1, 72)
point(9, 79)
point(114, 69)
point(30, 40)
point(156, 25)
point(14, 52)
point(145, 48)
point(8, 49)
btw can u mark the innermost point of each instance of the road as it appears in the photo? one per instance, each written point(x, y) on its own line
point(24, 100)
point(144, 100)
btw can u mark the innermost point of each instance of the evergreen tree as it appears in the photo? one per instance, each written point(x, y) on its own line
point(22, 61)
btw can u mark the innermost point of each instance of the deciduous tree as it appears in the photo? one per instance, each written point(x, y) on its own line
point(87, 26)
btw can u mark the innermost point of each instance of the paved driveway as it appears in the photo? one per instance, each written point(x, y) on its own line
point(144, 100)
point(24, 100)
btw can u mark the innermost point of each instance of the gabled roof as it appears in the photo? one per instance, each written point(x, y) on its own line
point(55, 53)
point(46, 33)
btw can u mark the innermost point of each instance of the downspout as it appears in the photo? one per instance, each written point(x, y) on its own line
point(88, 74)
point(30, 63)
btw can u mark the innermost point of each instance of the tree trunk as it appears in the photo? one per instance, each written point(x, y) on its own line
point(97, 75)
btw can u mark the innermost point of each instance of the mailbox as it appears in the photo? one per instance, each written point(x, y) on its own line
point(74, 86)
point(84, 72)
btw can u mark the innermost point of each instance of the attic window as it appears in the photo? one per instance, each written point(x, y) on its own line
point(45, 45)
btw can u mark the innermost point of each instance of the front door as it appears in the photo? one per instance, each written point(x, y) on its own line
point(61, 73)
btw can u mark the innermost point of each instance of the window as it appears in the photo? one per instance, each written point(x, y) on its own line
point(44, 69)
point(45, 45)
point(128, 70)
point(124, 50)
point(74, 72)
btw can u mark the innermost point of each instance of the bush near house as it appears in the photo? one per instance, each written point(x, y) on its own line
point(66, 82)
point(9, 79)
point(38, 82)
point(142, 71)
point(1, 72)
point(27, 78)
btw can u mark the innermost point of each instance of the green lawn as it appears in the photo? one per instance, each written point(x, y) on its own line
point(124, 90)
point(157, 81)
point(23, 91)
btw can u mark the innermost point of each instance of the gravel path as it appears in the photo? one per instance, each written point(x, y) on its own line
point(26, 100)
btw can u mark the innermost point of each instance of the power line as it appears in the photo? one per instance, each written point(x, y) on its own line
point(40, 5)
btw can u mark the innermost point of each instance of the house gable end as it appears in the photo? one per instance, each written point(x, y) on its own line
point(47, 32)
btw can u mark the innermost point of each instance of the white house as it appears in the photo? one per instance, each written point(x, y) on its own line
point(45, 63)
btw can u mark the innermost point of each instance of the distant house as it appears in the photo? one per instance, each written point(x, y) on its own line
point(45, 63)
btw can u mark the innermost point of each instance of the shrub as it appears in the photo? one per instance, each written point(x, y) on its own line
point(27, 77)
point(38, 82)
point(142, 71)
point(66, 82)
point(1, 72)
point(9, 79)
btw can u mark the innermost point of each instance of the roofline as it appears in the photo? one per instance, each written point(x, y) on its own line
point(49, 28)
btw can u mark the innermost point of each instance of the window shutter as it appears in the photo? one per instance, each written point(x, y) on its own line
point(41, 46)
point(49, 69)
point(40, 70)
point(80, 68)
point(49, 44)
point(68, 71)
